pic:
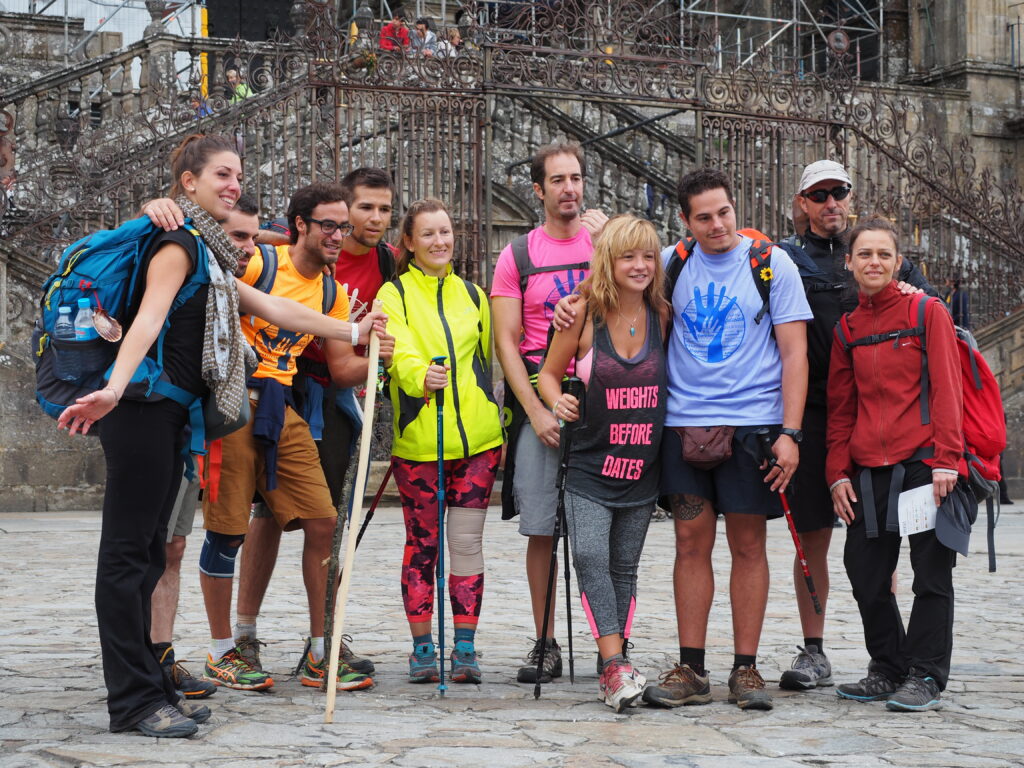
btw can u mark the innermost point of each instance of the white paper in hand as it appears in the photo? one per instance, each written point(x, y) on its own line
point(917, 510)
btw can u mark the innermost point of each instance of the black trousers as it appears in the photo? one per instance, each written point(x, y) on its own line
point(334, 446)
point(926, 645)
point(142, 443)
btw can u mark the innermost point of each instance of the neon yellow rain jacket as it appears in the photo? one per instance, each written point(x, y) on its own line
point(431, 317)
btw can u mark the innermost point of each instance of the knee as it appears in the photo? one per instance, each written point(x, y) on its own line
point(175, 551)
point(319, 530)
point(217, 557)
point(465, 541)
point(816, 543)
point(748, 549)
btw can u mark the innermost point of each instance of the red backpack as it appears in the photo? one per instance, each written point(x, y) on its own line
point(984, 423)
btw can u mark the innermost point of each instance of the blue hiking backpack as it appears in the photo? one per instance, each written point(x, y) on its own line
point(104, 267)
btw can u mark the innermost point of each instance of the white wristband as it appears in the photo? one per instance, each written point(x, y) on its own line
point(839, 482)
point(355, 334)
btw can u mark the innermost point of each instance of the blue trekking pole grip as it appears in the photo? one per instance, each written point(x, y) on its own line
point(439, 573)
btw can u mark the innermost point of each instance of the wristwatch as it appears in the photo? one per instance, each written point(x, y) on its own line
point(796, 434)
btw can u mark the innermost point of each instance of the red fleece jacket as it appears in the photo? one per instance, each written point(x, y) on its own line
point(874, 412)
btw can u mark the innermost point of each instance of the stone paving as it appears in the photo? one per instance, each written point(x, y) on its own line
point(52, 710)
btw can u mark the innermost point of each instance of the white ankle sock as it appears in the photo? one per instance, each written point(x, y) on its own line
point(219, 647)
point(316, 648)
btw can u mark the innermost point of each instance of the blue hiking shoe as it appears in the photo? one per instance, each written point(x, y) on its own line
point(423, 664)
point(465, 667)
point(917, 694)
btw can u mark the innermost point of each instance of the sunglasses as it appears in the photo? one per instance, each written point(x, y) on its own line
point(329, 226)
point(821, 195)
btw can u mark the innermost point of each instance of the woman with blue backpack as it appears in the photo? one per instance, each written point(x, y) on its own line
point(895, 426)
point(182, 328)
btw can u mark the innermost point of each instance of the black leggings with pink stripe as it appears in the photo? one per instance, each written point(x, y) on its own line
point(468, 484)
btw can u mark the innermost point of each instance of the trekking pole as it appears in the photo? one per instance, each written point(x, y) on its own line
point(357, 510)
point(764, 441)
point(573, 386)
point(439, 402)
point(373, 505)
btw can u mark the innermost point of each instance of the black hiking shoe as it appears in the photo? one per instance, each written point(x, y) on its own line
point(550, 669)
point(874, 687)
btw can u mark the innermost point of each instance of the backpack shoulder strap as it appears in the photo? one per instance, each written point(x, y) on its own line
point(521, 256)
point(385, 261)
point(676, 262)
point(761, 271)
point(397, 282)
point(474, 294)
point(922, 306)
point(843, 331)
point(330, 294)
point(268, 273)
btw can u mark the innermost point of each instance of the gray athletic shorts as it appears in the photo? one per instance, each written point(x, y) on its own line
point(183, 514)
point(534, 489)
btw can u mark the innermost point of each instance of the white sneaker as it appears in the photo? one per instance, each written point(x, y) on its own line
point(619, 688)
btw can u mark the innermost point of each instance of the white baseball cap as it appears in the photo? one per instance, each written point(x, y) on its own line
point(823, 170)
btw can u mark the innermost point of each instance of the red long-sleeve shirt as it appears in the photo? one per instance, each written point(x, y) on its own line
point(874, 409)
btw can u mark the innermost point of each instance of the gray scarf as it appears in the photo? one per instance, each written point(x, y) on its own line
point(226, 356)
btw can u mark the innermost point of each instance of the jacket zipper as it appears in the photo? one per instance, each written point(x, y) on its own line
point(455, 378)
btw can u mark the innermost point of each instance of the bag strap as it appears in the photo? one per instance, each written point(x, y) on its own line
point(526, 267)
point(761, 271)
point(268, 273)
point(385, 262)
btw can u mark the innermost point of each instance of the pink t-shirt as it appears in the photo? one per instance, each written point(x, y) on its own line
point(545, 289)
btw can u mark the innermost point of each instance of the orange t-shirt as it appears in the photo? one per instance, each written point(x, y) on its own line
point(276, 347)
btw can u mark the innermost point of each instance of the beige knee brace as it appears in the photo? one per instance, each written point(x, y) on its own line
point(465, 541)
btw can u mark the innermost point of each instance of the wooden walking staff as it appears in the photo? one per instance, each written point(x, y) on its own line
point(353, 524)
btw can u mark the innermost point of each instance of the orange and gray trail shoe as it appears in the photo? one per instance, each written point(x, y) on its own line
point(312, 674)
point(232, 671)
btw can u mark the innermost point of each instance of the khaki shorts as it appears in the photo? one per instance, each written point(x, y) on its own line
point(183, 514)
point(301, 492)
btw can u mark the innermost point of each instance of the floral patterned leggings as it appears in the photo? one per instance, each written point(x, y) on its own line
point(468, 484)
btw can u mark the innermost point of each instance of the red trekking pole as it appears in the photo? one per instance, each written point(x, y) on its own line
point(764, 441)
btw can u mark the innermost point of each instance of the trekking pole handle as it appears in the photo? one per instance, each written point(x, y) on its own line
point(439, 394)
point(574, 386)
point(764, 443)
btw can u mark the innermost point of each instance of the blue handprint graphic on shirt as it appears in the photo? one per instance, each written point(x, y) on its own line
point(714, 325)
point(572, 279)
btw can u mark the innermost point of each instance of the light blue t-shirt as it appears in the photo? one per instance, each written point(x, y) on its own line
point(723, 368)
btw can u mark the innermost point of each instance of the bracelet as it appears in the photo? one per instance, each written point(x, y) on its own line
point(117, 398)
point(838, 483)
point(354, 331)
point(554, 408)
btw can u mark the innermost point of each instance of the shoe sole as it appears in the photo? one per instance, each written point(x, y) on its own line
point(854, 697)
point(529, 674)
point(758, 704)
point(180, 732)
point(466, 678)
point(669, 703)
point(790, 682)
point(896, 706)
point(357, 686)
point(197, 694)
point(624, 703)
point(268, 683)
point(432, 679)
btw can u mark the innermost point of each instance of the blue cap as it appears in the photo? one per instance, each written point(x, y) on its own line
point(84, 303)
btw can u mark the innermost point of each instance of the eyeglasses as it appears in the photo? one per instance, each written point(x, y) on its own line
point(821, 195)
point(329, 226)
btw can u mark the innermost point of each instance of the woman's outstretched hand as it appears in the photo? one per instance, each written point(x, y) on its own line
point(87, 410)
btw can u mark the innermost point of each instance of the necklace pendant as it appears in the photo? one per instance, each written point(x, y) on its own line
point(632, 330)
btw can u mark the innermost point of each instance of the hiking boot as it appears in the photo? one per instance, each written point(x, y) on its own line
point(193, 710)
point(312, 673)
point(167, 723)
point(423, 664)
point(550, 669)
point(359, 663)
point(465, 667)
point(249, 649)
point(917, 694)
point(618, 685)
point(679, 686)
point(186, 684)
point(874, 687)
point(232, 671)
point(810, 668)
point(746, 689)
